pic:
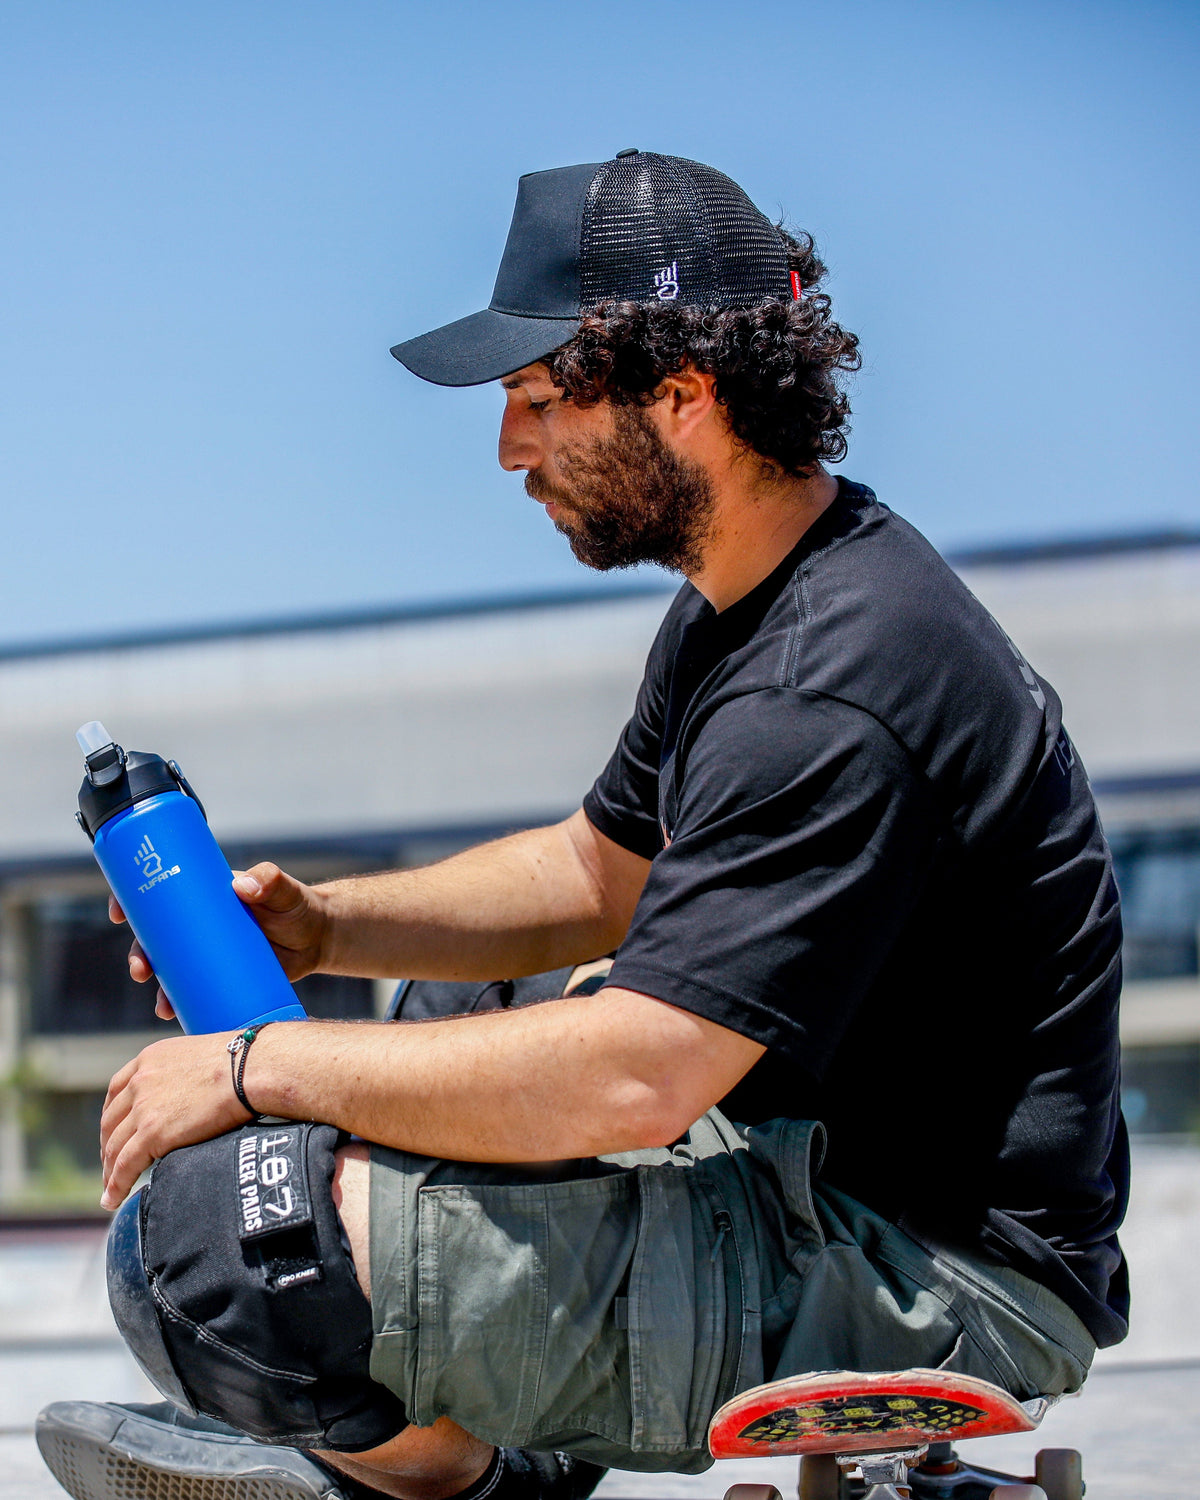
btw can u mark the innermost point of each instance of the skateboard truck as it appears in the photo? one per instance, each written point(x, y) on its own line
point(887, 1436)
point(886, 1474)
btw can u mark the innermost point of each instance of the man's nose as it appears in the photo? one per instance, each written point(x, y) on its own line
point(518, 446)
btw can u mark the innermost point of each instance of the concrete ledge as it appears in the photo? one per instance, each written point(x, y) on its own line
point(75, 1063)
point(1160, 1011)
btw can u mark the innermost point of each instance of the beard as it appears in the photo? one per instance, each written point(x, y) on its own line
point(627, 499)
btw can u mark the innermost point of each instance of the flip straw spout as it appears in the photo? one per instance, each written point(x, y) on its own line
point(92, 737)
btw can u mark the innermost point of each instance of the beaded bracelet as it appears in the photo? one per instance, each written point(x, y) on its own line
point(239, 1051)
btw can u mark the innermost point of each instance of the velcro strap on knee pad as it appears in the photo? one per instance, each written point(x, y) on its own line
point(256, 1292)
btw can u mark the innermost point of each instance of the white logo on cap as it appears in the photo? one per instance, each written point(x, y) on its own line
point(666, 282)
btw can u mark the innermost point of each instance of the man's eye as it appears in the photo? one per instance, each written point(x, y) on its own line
point(539, 405)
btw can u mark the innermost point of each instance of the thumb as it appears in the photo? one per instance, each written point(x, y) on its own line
point(247, 887)
point(267, 886)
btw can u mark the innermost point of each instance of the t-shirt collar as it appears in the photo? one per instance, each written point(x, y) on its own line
point(743, 617)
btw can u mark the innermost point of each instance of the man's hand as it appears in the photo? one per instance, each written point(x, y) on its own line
point(174, 1093)
point(291, 914)
point(582, 1076)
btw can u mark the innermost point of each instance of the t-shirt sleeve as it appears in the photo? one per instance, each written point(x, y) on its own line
point(801, 840)
point(623, 803)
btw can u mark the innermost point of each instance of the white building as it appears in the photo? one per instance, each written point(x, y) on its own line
point(358, 742)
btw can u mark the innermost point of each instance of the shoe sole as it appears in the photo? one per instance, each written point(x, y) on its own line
point(100, 1452)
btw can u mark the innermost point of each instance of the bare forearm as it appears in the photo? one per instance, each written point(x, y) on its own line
point(576, 1077)
point(537, 900)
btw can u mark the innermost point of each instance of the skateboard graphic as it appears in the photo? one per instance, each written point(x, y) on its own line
point(887, 1436)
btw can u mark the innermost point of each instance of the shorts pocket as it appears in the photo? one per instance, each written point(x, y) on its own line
point(516, 1285)
point(678, 1334)
point(978, 1350)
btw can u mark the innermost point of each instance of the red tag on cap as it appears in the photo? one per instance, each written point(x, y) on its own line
point(796, 287)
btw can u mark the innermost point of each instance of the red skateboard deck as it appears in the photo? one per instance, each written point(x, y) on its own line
point(845, 1411)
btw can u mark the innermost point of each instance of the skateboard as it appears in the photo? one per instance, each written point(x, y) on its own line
point(887, 1436)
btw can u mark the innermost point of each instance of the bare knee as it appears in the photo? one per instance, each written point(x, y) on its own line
point(352, 1199)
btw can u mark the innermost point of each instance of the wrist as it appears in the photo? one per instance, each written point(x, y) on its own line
point(323, 901)
point(262, 1070)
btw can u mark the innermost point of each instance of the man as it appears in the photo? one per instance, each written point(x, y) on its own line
point(853, 874)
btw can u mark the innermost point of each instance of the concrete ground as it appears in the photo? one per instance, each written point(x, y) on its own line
point(1137, 1422)
point(1138, 1430)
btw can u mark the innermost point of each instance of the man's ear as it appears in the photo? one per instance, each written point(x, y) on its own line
point(688, 401)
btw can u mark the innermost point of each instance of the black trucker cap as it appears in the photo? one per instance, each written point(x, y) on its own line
point(639, 228)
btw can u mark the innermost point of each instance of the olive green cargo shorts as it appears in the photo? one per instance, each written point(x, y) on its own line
point(610, 1307)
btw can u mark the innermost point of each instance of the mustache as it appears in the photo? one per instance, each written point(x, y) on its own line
point(537, 487)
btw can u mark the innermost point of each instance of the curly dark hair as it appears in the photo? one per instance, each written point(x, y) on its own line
point(777, 363)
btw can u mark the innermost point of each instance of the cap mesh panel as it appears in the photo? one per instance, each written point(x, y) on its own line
point(660, 228)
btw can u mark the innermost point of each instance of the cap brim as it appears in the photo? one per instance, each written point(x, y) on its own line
point(483, 347)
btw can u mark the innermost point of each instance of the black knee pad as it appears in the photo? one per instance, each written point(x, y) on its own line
point(230, 1281)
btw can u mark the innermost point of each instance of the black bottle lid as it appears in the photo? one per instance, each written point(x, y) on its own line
point(117, 778)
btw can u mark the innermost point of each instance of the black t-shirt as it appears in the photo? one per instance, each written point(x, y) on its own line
point(875, 851)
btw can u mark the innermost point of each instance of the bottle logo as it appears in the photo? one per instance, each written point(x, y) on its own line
point(149, 861)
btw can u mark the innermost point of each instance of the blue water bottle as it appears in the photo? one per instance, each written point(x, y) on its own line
point(151, 838)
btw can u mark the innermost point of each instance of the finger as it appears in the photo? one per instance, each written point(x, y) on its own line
point(286, 911)
point(267, 885)
point(140, 967)
point(115, 914)
point(113, 1141)
point(248, 887)
point(127, 1164)
point(117, 1105)
point(119, 1079)
point(163, 1008)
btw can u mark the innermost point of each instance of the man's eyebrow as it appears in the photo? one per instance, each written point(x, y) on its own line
point(517, 381)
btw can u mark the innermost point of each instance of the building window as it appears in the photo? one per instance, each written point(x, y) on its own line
point(1158, 873)
point(1160, 1090)
point(79, 978)
point(62, 1147)
point(337, 997)
point(80, 984)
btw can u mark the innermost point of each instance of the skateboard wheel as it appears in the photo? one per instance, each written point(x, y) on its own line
point(1060, 1473)
point(752, 1492)
point(820, 1477)
point(1019, 1492)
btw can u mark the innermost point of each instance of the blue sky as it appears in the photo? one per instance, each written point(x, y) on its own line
point(215, 218)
